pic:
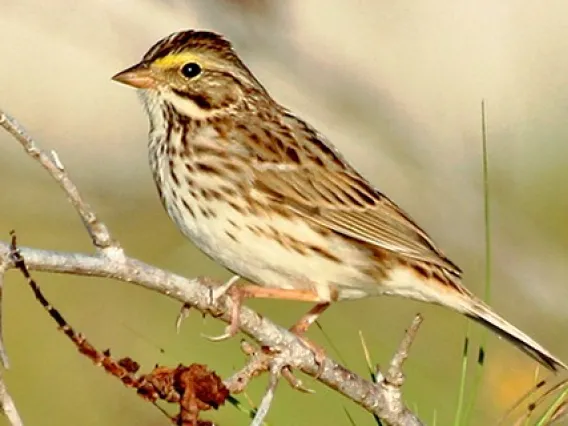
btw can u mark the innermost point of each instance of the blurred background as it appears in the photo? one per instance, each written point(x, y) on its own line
point(397, 86)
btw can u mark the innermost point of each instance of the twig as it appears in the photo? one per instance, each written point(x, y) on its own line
point(110, 262)
point(6, 402)
point(100, 235)
point(268, 397)
point(8, 406)
point(393, 380)
point(394, 374)
point(3, 354)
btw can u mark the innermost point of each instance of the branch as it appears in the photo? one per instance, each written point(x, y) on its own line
point(6, 402)
point(99, 233)
point(109, 261)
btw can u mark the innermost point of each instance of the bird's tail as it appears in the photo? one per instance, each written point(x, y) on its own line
point(483, 314)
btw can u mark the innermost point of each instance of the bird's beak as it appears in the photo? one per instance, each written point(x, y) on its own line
point(138, 76)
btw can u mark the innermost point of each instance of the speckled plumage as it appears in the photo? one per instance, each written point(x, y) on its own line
point(267, 196)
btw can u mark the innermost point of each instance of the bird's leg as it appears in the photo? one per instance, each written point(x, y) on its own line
point(299, 329)
point(238, 294)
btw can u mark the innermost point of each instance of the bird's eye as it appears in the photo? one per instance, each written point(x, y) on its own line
point(191, 70)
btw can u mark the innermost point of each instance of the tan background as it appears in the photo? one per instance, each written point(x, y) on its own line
point(396, 85)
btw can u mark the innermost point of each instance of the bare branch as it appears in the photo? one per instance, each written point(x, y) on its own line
point(394, 374)
point(3, 354)
point(110, 262)
point(268, 397)
point(8, 406)
point(98, 231)
point(6, 402)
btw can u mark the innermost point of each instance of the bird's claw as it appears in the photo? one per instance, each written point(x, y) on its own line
point(183, 314)
point(219, 291)
point(226, 335)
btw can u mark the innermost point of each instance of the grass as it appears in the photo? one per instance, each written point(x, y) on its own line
point(463, 413)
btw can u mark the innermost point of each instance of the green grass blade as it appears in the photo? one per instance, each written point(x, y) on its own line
point(348, 414)
point(558, 402)
point(334, 348)
point(488, 267)
point(463, 378)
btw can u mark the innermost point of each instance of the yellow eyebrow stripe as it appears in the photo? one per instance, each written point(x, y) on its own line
point(175, 60)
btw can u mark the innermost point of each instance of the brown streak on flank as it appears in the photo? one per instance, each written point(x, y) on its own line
point(204, 212)
point(231, 236)
point(227, 190)
point(273, 230)
point(205, 194)
point(208, 169)
point(232, 222)
point(298, 246)
point(237, 207)
point(255, 230)
point(174, 177)
point(216, 195)
point(189, 181)
point(187, 207)
point(325, 253)
point(422, 270)
point(189, 167)
point(232, 167)
point(378, 255)
point(207, 150)
point(160, 194)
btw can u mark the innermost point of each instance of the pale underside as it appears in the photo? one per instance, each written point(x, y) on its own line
point(326, 215)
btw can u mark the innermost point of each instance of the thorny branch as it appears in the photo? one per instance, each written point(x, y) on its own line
point(109, 261)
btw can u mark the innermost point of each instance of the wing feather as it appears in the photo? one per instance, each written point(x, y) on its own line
point(327, 197)
point(305, 172)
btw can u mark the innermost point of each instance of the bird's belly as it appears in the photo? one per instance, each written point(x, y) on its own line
point(274, 251)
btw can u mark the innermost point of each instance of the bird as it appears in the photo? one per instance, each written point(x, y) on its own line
point(263, 193)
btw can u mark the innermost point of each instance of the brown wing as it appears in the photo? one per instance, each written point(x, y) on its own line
point(316, 182)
